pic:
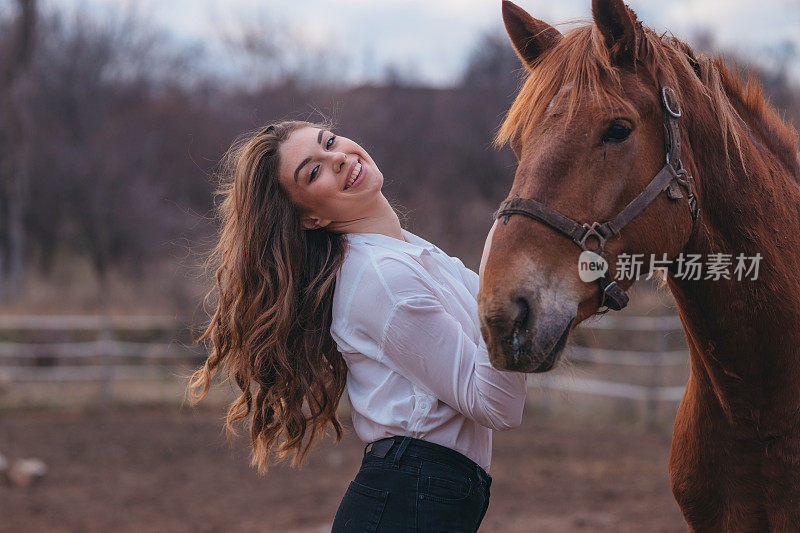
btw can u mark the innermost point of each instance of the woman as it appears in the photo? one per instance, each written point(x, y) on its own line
point(318, 287)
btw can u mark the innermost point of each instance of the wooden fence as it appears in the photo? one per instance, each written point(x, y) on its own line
point(104, 355)
point(656, 359)
point(63, 349)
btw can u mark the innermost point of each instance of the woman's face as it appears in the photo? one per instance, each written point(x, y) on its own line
point(317, 170)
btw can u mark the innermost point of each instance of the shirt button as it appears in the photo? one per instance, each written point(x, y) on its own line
point(424, 404)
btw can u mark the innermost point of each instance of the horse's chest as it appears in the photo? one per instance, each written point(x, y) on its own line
point(730, 484)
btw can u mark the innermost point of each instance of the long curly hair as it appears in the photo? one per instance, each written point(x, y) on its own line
point(270, 331)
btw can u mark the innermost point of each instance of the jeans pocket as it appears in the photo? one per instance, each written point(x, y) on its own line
point(449, 505)
point(360, 510)
point(442, 489)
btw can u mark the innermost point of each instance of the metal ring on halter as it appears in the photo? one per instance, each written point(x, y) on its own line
point(591, 231)
point(680, 165)
point(667, 105)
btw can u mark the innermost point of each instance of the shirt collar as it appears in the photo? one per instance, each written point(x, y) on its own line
point(415, 245)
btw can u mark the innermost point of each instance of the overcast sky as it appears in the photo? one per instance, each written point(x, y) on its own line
point(432, 38)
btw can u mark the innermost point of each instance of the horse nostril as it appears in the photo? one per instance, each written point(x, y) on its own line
point(521, 311)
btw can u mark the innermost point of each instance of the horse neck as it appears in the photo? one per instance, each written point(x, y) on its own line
point(743, 335)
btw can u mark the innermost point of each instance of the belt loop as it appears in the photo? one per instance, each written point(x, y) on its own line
point(401, 449)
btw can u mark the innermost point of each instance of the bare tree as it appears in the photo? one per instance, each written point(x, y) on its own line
point(268, 51)
point(106, 105)
point(16, 127)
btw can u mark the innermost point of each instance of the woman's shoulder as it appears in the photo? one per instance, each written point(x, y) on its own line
point(389, 264)
point(376, 269)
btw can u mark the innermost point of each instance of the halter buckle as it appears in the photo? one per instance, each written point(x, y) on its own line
point(685, 180)
point(693, 207)
point(591, 231)
point(614, 297)
point(674, 190)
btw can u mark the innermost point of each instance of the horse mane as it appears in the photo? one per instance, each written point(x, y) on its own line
point(765, 122)
point(583, 62)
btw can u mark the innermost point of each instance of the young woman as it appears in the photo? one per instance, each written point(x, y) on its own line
point(319, 289)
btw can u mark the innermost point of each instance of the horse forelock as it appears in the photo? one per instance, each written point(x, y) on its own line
point(581, 62)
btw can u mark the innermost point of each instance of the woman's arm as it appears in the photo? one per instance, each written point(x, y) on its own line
point(389, 310)
point(427, 345)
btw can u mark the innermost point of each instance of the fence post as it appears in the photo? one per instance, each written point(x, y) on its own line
point(106, 338)
point(651, 417)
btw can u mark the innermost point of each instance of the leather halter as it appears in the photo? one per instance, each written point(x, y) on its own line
point(670, 178)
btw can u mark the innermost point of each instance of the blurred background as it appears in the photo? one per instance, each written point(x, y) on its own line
point(113, 117)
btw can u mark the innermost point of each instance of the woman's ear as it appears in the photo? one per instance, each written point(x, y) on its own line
point(312, 222)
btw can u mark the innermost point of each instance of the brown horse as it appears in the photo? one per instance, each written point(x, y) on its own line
point(588, 129)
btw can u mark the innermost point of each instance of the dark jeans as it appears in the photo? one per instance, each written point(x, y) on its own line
point(417, 486)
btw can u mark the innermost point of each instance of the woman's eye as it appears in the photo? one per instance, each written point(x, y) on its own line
point(616, 133)
point(313, 174)
point(330, 142)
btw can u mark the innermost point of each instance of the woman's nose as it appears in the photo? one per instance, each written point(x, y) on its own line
point(339, 161)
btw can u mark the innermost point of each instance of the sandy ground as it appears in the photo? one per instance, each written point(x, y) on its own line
point(171, 471)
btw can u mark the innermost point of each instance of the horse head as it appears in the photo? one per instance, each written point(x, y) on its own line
point(588, 131)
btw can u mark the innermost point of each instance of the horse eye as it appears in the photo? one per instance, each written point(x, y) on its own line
point(616, 133)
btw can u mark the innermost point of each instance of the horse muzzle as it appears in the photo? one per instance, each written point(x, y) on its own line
point(522, 337)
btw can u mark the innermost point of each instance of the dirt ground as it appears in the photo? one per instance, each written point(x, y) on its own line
point(171, 471)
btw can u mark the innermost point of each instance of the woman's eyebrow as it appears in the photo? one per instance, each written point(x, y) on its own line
point(307, 159)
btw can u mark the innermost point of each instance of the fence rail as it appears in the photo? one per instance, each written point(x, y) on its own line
point(89, 322)
point(100, 373)
point(627, 357)
point(635, 323)
point(611, 389)
point(106, 359)
point(96, 348)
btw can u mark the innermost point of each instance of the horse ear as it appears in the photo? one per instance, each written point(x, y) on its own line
point(619, 27)
point(530, 37)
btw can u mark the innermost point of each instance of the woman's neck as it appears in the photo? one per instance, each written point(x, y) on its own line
point(378, 218)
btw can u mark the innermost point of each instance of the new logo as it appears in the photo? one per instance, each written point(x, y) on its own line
point(591, 266)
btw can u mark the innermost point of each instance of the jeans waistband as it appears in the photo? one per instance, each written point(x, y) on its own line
point(394, 448)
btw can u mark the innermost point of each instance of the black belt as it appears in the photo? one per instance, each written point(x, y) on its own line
point(379, 448)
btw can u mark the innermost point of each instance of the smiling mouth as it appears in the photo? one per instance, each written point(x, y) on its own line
point(353, 175)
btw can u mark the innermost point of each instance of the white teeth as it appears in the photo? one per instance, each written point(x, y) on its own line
point(354, 175)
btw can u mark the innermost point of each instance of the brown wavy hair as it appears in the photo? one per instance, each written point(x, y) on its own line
point(270, 331)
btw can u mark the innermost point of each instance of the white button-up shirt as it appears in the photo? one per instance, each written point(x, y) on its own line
point(405, 318)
